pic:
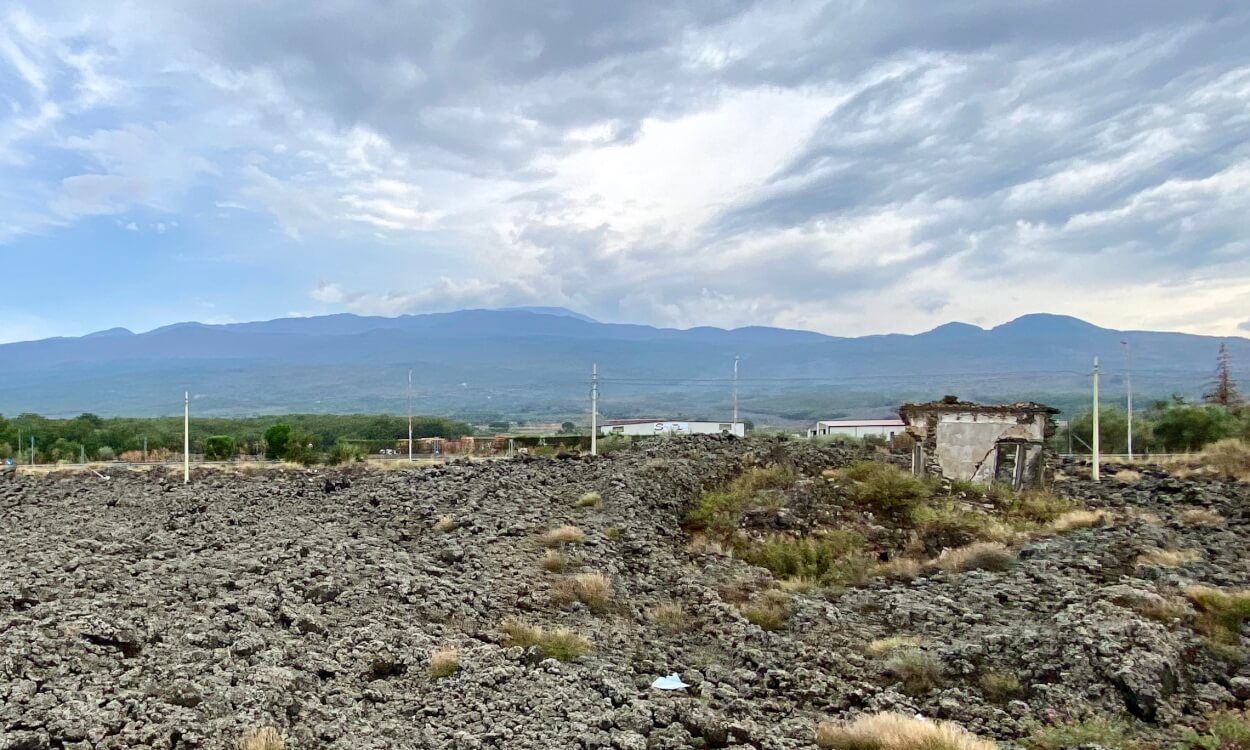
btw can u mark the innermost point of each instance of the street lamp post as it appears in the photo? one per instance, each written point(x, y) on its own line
point(1128, 354)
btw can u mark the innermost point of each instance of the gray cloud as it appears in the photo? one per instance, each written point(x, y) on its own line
point(824, 164)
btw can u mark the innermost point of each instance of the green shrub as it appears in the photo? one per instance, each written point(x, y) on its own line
point(770, 613)
point(1221, 615)
point(1225, 731)
point(219, 448)
point(812, 557)
point(1000, 687)
point(344, 453)
point(561, 644)
point(883, 487)
point(718, 512)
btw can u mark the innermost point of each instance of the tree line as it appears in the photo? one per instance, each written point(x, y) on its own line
point(307, 436)
point(1171, 425)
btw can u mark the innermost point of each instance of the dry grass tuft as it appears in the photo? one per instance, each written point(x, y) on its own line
point(445, 524)
point(670, 617)
point(702, 544)
point(1167, 558)
point(918, 671)
point(900, 568)
point(554, 561)
point(884, 646)
point(1128, 476)
point(1078, 519)
point(1201, 517)
point(590, 500)
point(561, 644)
point(264, 738)
point(1221, 616)
point(612, 533)
point(798, 585)
point(592, 588)
point(564, 535)
point(1162, 610)
point(1000, 687)
point(894, 731)
point(1228, 458)
point(977, 556)
point(444, 662)
point(770, 612)
point(1142, 516)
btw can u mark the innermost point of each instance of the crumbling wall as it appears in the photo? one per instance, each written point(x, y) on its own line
point(966, 444)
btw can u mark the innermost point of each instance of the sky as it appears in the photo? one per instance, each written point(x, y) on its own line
point(850, 167)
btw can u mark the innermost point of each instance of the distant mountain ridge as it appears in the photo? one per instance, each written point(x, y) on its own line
point(536, 362)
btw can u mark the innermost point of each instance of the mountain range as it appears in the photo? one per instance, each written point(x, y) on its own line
point(535, 363)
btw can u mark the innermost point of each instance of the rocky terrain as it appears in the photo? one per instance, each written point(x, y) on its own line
point(136, 612)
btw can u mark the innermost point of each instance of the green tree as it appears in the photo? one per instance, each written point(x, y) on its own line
point(302, 449)
point(568, 428)
point(219, 448)
point(1112, 431)
point(277, 438)
point(1189, 427)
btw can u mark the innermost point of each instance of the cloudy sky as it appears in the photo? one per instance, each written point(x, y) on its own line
point(846, 166)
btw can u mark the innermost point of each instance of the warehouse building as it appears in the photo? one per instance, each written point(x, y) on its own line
point(858, 428)
point(641, 427)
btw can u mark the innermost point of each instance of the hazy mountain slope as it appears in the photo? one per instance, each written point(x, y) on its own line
point(522, 362)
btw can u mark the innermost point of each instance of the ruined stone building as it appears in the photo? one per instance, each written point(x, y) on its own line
point(978, 442)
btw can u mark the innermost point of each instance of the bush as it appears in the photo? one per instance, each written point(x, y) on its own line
point(883, 487)
point(718, 512)
point(277, 438)
point(1032, 507)
point(219, 448)
point(893, 731)
point(344, 452)
point(814, 557)
point(918, 671)
point(105, 453)
point(589, 500)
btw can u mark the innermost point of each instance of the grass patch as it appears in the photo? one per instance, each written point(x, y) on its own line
point(1167, 558)
point(561, 644)
point(770, 612)
point(719, 512)
point(264, 738)
point(884, 646)
point(812, 557)
point(1227, 730)
point(1103, 732)
point(670, 617)
point(900, 568)
point(1201, 517)
point(592, 589)
point(1162, 610)
point(1228, 458)
point(919, 672)
point(1077, 519)
point(445, 524)
point(894, 731)
point(564, 535)
point(1033, 508)
point(991, 556)
point(612, 533)
point(1220, 616)
point(444, 662)
point(946, 524)
point(590, 500)
point(1000, 687)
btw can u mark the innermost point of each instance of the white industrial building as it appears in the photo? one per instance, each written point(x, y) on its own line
point(640, 427)
point(859, 428)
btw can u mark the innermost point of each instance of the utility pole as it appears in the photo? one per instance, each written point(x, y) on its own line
point(145, 449)
point(410, 415)
point(1128, 353)
point(733, 427)
point(186, 437)
point(32, 449)
point(594, 409)
point(1097, 478)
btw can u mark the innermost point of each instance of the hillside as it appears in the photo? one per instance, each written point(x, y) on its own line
point(536, 362)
